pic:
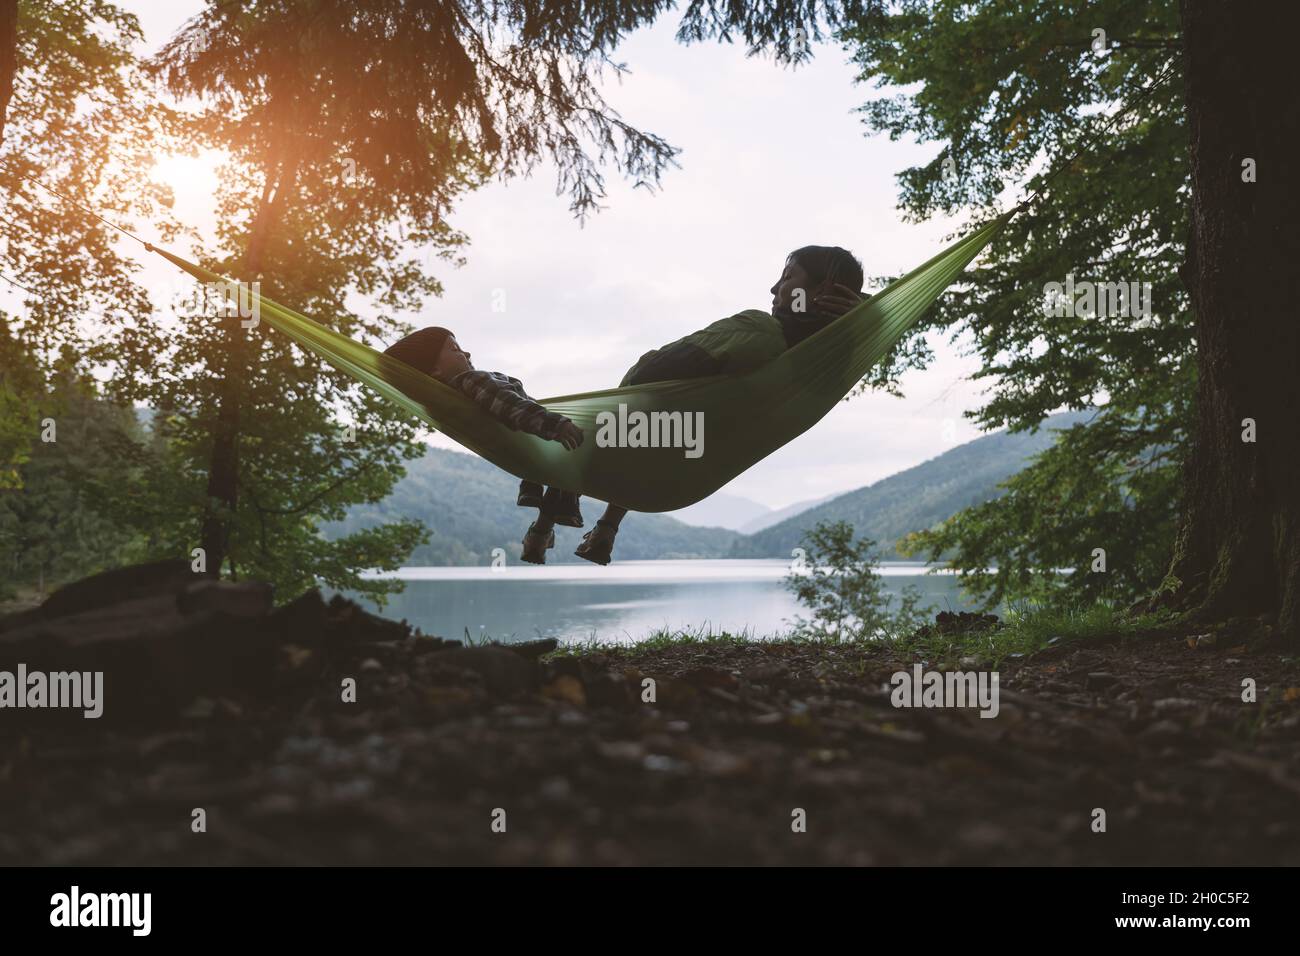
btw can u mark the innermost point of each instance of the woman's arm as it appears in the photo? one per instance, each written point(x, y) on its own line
point(680, 360)
point(835, 299)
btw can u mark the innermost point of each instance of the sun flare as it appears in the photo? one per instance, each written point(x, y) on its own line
point(188, 173)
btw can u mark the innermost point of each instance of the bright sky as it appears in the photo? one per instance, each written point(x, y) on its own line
point(772, 159)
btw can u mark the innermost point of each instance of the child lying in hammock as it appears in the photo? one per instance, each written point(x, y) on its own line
point(816, 287)
point(435, 352)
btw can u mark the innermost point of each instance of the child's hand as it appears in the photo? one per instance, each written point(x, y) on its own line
point(569, 435)
point(835, 299)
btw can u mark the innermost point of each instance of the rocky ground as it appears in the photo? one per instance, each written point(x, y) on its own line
point(214, 701)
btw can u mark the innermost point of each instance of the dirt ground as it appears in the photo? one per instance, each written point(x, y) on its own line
point(446, 746)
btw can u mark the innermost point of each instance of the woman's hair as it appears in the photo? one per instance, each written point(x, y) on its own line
point(832, 263)
point(420, 349)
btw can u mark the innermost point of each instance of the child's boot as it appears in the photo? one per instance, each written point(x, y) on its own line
point(530, 494)
point(536, 541)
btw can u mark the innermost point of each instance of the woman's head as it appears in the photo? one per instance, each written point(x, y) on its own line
point(807, 271)
point(433, 351)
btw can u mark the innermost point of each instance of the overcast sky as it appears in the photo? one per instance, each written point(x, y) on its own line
point(772, 159)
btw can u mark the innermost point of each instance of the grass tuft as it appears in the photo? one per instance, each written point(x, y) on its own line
point(1024, 631)
point(657, 640)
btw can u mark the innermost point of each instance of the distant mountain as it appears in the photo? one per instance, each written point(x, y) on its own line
point(469, 505)
point(721, 510)
point(919, 497)
point(780, 514)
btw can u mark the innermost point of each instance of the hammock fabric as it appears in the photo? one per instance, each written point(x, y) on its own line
point(745, 418)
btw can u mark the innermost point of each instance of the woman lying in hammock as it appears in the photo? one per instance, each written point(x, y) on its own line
point(817, 286)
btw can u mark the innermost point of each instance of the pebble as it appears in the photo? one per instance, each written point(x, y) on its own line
point(526, 722)
point(661, 763)
point(621, 750)
point(1100, 679)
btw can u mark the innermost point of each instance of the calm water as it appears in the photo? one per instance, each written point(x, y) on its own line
point(625, 601)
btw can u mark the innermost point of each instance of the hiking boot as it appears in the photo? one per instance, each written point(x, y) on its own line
point(598, 543)
point(565, 510)
point(530, 494)
point(535, 544)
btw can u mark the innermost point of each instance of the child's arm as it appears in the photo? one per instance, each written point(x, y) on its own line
point(505, 399)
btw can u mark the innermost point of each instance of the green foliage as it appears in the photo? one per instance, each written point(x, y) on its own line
point(412, 92)
point(82, 121)
point(19, 385)
point(847, 597)
point(63, 520)
point(1038, 541)
point(1010, 91)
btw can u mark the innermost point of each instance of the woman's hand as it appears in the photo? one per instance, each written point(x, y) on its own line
point(835, 299)
point(569, 435)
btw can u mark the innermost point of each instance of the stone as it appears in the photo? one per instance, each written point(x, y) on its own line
point(119, 585)
point(246, 599)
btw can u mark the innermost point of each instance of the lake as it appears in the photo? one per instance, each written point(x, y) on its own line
point(626, 601)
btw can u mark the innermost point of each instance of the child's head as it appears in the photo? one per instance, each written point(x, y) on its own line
point(810, 268)
point(434, 351)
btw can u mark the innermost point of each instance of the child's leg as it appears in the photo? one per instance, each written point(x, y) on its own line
point(540, 536)
point(545, 520)
point(563, 507)
point(546, 511)
point(613, 515)
point(530, 494)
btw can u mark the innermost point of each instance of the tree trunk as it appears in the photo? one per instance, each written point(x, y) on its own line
point(1237, 552)
point(223, 465)
point(8, 57)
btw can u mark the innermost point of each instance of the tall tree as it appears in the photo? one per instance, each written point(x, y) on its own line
point(1012, 91)
point(1210, 379)
point(81, 121)
point(75, 114)
point(1238, 545)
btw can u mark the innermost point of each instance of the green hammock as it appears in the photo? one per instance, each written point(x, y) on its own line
point(745, 417)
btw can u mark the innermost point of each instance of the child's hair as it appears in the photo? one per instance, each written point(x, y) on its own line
point(830, 263)
point(420, 349)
